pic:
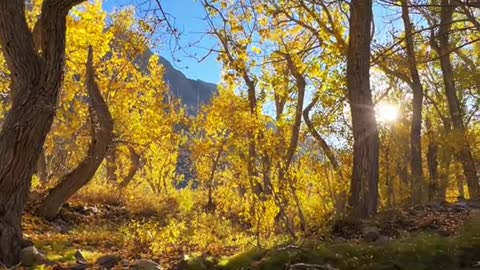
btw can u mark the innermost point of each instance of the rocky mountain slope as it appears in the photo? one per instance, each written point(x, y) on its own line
point(192, 93)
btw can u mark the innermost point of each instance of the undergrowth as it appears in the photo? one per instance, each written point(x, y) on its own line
point(176, 229)
point(423, 251)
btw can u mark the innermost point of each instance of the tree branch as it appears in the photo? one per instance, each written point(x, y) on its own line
point(323, 144)
point(51, 44)
point(16, 40)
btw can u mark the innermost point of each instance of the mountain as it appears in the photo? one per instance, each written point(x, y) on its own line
point(192, 93)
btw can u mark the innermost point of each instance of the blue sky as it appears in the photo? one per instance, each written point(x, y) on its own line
point(187, 16)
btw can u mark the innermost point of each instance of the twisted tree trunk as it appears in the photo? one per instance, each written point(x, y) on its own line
point(36, 77)
point(102, 129)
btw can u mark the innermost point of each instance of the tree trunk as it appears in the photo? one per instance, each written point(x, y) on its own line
point(416, 129)
point(460, 183)
point(111, 160)
point(301, 84)
point(323, 144)
point(388, 174)
point(444, 177)
point(292, 145)
point(445, 163)
point(432, 161)
point(102, 128)
point(252, 148)
point(41, 169)
point(134, 164)
point(211, 178)
point(364, 182)
point(340, 197)
point(252, 102)
point(35, 82)
point(266, 171)
point(444, 49)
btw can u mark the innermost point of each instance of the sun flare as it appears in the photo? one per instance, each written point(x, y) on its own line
point(387, 112)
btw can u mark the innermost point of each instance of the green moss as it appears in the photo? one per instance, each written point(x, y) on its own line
point(200, 263)
point(66, 255)
point(420, 252)
point(417, 252)
point(243, 260)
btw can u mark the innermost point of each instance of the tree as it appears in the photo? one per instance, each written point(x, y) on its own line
point(130, 81)
point(340, 200)
point(101, 124)
point(232, 36)
point(364, 182)
point(36, 76)
point(464, 152)
point(416, 128)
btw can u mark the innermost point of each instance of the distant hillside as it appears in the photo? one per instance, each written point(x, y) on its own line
point(192, 93)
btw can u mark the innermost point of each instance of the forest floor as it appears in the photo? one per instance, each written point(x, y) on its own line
point(432, 237)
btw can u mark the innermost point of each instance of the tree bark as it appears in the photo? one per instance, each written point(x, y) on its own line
point(416, 128)
point(363, 199)
point(36, 77)
point(252, 148)
point(211, 178)
point(444, 177)
point(292, 146)
point(432, 162)
point(102, 131)
point(111, 159)
point(465, 152)
point(459, 177)
point(301, 84)
point(41, 169)
point(134, 164)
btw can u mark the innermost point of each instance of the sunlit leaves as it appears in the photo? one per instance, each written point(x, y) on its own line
point(132, 85)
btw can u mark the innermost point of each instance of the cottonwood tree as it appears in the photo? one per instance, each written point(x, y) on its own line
point(444, 50)
point(101, 124)
point(364, 182)
point(36, 71)
point(308, 28)
point(417, 105)
point(405, 55)
point(232, 35)
point(133, 94)
point(321, 19)
point(411, 76)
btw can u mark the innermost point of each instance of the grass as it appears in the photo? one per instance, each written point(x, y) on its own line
point(416, 252)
